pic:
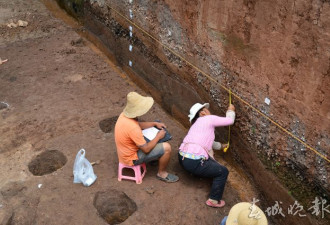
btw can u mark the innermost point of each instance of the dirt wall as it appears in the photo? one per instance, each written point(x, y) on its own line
point(275, 50)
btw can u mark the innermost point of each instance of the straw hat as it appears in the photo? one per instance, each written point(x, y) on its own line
point(245, 213)
point(195, 108)
point(137, 105)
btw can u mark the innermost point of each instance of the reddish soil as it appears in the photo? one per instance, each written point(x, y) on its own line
point(58, 88)
point(260, 50)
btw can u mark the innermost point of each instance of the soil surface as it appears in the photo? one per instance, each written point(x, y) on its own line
point(59, 92)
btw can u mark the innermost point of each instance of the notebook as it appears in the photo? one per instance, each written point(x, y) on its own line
point(150, 133)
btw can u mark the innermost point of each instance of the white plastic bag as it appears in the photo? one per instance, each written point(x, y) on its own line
point(83, 170)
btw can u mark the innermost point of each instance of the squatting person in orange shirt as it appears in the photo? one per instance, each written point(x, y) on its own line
point(132, 148)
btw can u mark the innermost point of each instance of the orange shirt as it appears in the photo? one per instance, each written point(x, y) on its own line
point(128, 136)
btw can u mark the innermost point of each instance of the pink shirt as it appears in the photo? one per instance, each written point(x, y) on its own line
point(201, 136)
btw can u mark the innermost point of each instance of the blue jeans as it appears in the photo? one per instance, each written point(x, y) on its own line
point(223, 222)
point(210, 169)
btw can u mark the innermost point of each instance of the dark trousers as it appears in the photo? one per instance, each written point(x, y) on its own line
point(210, 169)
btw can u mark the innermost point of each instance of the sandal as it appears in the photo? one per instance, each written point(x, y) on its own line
point(218, 205)
point(171, 178)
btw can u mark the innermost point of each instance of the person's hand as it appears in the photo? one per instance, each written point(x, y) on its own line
point(161, 134)
point(231, 107)
point(160, 125)
point(223, 146)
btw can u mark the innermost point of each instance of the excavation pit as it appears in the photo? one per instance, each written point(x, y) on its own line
point(114, 206)
point(107, 125)
point(3, 105)
point(47, 162)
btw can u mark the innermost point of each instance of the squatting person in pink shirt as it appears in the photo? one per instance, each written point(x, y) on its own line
point(196, 150)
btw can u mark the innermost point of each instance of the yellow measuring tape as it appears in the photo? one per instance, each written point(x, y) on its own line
point(222, 86)
point(226, 148)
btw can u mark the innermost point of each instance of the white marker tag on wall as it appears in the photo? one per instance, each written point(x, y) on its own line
point(267, 101)
point(130, 63)
point(130, 14)
point(130, 48)
point(131, 34)
point(130, 28)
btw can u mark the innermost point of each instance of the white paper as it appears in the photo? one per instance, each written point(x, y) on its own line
point(150, 133)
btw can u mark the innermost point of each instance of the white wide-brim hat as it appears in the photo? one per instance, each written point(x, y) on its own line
point(245, 213)
point(195, 108)
point(137, 105)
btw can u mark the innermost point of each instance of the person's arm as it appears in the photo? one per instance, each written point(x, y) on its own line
point(218, 121)
point(146, 148)
point(145, 125)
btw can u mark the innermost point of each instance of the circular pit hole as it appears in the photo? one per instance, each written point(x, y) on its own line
point(3, 105)
point(114, 206)
point(47, 162)
point(107, 125)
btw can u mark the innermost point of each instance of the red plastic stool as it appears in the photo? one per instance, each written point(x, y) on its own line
point(137, 170)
